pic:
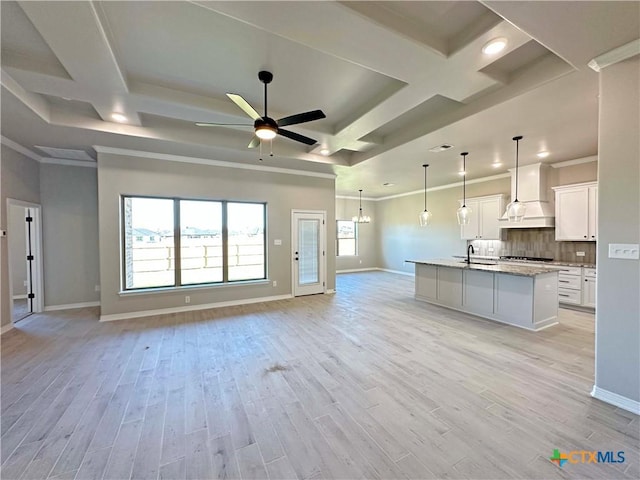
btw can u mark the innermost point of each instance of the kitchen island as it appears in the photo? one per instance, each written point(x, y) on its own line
point(520, 295)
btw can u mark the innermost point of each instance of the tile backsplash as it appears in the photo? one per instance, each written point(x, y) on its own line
point(536, 242)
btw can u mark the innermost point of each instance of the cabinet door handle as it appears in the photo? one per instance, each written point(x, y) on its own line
point(564, 281)
point(585, 236)
point(563, 295)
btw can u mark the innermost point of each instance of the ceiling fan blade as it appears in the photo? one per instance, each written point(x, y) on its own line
point(244, 105)
point(301, 118)
point(254, 143)
point(199, 124)
point(297, 137)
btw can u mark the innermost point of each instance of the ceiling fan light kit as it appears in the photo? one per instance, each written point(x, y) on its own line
point(265, 127)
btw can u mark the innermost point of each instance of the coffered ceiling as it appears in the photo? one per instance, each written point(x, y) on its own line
point(394, 79)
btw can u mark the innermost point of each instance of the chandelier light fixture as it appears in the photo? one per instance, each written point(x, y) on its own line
point(360, 218)
point(516, 210)
point(425, 217)
point(464, 212)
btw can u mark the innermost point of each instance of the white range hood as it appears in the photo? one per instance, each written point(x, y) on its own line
point(532, 191)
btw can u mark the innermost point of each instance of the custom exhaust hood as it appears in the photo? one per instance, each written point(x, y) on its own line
point(532, 190)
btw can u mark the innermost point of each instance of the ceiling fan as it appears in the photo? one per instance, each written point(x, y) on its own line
point(266, 128)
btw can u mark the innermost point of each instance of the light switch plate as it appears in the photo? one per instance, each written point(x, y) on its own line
point(626, 251)
point(277, 241)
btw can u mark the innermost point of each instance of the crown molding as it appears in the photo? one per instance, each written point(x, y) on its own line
point(20, 149)
point(444, 187)
point(616, 55)
point(205, 161)
point(68, 163)
point(577, 161)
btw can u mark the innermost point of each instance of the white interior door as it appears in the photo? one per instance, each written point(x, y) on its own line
point(308, 252)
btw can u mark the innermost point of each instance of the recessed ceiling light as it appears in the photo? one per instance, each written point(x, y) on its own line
point(118, 117)
point(496, 165)
point(543, 154)
point(494, 46)
point(388, 184)
point(324, 151)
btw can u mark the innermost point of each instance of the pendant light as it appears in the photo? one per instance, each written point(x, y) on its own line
point(425, 217)
point(360, 218)
point(515, 210)
point(464, 212)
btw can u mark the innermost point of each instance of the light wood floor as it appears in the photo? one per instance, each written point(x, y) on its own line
point(366, 383)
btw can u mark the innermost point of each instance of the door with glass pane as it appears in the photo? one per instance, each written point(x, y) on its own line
point(308, 253)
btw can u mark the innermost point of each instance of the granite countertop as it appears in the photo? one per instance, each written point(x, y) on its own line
point(521, 270)
point(559, 263)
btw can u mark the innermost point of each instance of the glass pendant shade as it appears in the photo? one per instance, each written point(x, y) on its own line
point(515, 211)
point(425, 218)
point(361, 218)
point(464, 212)
point(464, 215)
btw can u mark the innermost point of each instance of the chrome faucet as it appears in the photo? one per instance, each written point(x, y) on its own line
point(470, 247)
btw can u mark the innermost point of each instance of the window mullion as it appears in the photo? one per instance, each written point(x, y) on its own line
point(225, 244)
point(177, 252)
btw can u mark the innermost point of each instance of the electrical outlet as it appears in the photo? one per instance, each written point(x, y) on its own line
point(97, 288)
point(490, 250)
point(277, 241)
point(26, 283)
point(360, 262)
point(275, 283)
point(187, 299)
point(579, 254)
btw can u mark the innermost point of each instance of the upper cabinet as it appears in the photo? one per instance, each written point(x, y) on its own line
point(483, 223)
point(577, 212)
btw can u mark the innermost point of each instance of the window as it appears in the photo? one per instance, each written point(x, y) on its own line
point(347, 244)
point(218, 242)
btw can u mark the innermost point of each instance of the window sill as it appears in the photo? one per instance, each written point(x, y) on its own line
point(188, 288)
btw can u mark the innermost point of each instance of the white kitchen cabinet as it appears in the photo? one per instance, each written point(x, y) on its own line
point(577, 212)
point(483, 223)
point(589, 288)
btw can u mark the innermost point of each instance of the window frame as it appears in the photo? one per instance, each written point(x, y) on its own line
point(177, 245)
point(355, 239)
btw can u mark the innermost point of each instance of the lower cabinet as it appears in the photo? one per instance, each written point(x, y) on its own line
point(529, 302)
point(570, 285)
point(589, 288)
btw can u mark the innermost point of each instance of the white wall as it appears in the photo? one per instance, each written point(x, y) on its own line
point(618, 291)
point(367, 257)
point(20, 178)
point(401, 237)
point(118, 175)
point(70, 232)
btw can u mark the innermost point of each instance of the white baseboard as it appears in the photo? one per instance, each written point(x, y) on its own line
point(6, 328)
point(399, 272)
point(619, 401)
point(205, 306)
point(353, 270)
point(20, 297)
point(70, 306)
